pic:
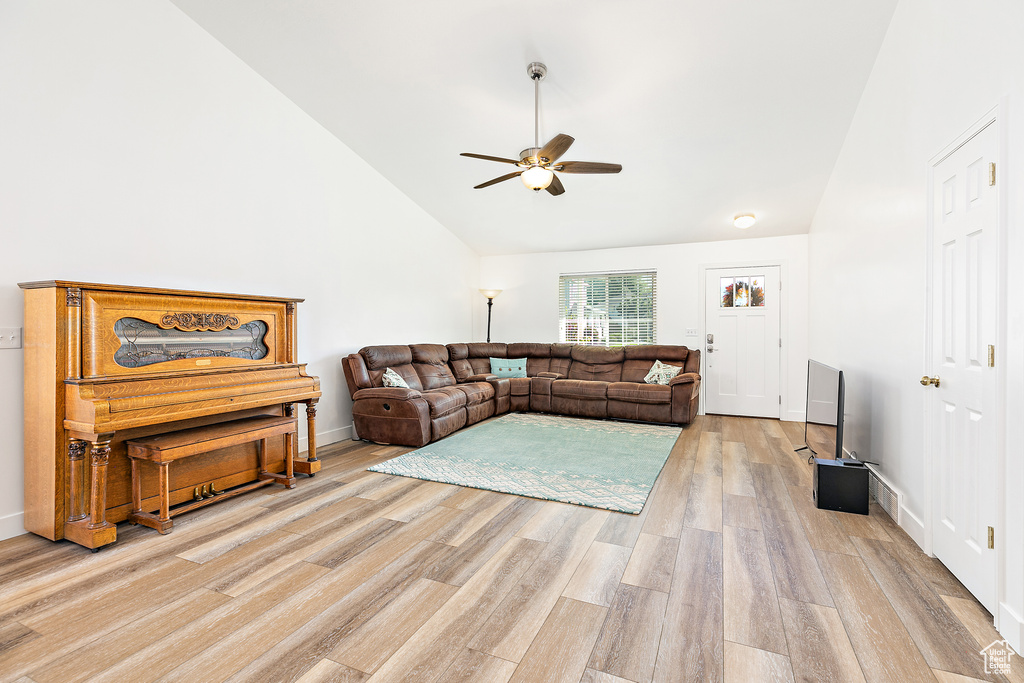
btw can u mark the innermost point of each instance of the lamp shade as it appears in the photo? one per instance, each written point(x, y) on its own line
point(536, 177)
point(490, 293)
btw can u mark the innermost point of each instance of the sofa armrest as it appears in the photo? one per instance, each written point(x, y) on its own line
point(685, 397)
point(394, 393)
point(684, 378)
point(482, 377)
point(356, 375)
point(550, 375)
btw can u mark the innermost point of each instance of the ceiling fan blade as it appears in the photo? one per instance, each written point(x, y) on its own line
point(556, 147)
point(489, 158)
point(588, 167)
point(500, 179)
point(555, 187)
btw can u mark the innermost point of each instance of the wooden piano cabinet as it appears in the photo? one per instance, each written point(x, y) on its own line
point(106, 363)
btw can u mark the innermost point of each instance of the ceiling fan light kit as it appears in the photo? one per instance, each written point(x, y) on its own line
point(537, 178)
point(538, 164)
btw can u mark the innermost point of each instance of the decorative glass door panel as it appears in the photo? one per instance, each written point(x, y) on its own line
point(144, 343)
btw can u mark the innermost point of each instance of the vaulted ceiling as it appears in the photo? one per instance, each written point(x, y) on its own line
point(712, 108)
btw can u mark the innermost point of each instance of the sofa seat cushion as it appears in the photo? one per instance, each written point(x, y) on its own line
point(520, 386)
point(579, 388)
point(477, 392)
point(640, 393)
point(444, 400)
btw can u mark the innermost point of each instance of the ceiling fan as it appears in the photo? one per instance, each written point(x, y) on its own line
point(538, 164)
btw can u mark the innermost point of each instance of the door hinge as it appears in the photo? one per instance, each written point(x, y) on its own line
point(780, 342)
point(780, 284)
point(992, 174)
point(991, 355)
point(991, 538)
point(780, 399)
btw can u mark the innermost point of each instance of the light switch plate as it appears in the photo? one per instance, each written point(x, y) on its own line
point(691, 331)
point(10, 337)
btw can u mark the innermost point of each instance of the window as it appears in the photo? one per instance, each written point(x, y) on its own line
point(607, 309)
point(742, 292)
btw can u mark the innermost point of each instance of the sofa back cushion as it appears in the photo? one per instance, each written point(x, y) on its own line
point(471, 359)
point(596, 363)
point(542, 357)
point(399, 358)
point(639, 359)
point(431, 364)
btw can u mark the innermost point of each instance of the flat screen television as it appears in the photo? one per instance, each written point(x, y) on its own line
point(823, 424)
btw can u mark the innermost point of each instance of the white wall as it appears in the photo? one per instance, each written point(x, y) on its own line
point(527, 308)
point(943, 65)
point(137, 150)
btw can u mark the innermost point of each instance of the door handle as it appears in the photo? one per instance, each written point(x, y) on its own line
point(934, 381)
point(711, 349)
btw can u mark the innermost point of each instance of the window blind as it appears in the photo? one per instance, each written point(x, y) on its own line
point(607, 309)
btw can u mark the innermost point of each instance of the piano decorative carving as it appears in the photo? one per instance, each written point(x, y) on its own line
point(105, 364)
point(199, 321)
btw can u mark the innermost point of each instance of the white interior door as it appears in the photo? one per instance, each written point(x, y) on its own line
point(962, 404)
point(742, 315)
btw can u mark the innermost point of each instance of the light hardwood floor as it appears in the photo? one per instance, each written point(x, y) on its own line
point(730, 573)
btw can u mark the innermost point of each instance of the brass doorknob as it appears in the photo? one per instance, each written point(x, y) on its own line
point(926, 380)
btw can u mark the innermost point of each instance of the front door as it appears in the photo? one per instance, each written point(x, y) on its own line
point(742, 316)
point(961, 396)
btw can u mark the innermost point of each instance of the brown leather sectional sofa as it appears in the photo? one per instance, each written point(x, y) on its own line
point(451, 386)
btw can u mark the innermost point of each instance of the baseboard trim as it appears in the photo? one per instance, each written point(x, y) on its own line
point(793, 416)
point(12, 525)
point(913, 525)
point(1011, 626)
point(325, 438)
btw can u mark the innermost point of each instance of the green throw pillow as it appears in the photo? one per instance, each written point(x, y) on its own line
point(508, 367)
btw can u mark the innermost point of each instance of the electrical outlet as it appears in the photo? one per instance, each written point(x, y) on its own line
point(10, 337)
point(691, 331)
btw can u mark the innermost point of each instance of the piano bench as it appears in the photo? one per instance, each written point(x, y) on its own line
point(163, 449)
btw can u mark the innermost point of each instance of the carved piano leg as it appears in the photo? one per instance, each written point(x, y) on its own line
point(95, 531)
point(76, 480)
point(310, 465)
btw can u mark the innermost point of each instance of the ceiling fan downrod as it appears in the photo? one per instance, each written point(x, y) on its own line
point(537, 73)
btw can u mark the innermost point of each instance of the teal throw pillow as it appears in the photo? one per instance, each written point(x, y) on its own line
point(508, 367)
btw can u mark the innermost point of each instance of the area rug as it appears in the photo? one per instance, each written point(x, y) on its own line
point(597, 463)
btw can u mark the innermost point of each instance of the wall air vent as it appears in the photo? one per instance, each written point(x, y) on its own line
point(883, 492)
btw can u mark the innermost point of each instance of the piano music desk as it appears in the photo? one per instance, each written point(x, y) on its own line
point(164, 449)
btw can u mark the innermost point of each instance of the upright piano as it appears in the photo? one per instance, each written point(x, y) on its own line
point(105, 364)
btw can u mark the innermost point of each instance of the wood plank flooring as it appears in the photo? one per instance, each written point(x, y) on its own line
point(729, 574)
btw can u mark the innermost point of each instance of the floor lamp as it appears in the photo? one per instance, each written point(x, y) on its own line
point(490, 294)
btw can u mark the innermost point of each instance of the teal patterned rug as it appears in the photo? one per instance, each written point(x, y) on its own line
point(597, 463)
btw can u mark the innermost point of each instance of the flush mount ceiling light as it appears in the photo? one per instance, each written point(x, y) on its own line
point(537, 164)
point(744, 220)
